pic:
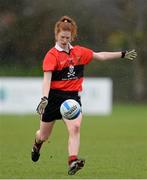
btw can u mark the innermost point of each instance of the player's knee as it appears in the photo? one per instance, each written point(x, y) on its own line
point(41, 136)
point(75, 129)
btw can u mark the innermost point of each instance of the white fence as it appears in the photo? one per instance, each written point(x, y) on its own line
point(22, 95)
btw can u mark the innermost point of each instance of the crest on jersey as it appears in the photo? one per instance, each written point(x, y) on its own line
point(71, 72)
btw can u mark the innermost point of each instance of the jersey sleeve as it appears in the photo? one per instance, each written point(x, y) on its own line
point(87, 55)
point(49, 62)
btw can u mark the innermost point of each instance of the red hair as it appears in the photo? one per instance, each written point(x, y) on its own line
point(66, 23)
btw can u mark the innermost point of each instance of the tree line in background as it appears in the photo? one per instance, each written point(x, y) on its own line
point(27, 32)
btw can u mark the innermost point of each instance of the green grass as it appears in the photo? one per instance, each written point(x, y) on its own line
point(114, 147)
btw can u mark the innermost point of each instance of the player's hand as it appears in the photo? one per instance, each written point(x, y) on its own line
point(42, 105)
point(131, 55)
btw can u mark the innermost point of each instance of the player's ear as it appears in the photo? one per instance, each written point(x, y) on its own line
point(56, 37)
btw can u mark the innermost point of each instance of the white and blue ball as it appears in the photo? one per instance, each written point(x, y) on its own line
point(70, 109)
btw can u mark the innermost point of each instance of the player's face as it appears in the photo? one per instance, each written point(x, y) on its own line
point(63, 38)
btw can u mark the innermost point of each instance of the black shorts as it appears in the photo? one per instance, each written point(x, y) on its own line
point(55, 99)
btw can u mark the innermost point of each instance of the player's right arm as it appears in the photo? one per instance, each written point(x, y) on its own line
point(45, 91)
point(46, 83)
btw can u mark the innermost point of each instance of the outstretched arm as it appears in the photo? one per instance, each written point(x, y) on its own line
point(104, 56)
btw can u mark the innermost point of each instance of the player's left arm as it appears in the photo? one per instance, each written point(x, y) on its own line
point(104, 56)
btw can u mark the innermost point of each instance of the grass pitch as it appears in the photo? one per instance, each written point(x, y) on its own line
point(114, 147)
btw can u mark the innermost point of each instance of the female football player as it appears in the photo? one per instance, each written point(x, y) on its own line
point(63, 68)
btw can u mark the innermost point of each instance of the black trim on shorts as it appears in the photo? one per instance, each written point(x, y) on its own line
point(55, 99)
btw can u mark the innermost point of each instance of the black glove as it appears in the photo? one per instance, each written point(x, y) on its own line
point(42, 105)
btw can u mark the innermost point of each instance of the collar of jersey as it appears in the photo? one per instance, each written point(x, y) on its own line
point(61, 49)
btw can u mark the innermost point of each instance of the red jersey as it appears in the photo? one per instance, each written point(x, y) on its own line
point(67, 68)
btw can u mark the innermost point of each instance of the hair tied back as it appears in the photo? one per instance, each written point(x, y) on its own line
point(66, 20)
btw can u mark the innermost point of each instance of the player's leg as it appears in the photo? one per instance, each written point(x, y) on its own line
point(73, 127)
point(41, 135)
